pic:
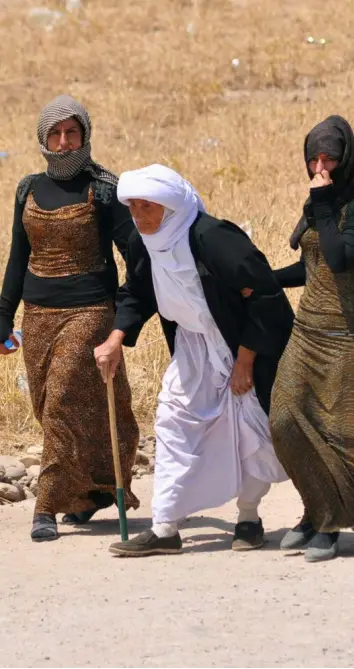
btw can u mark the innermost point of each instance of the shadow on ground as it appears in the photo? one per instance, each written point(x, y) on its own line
point(199, 543)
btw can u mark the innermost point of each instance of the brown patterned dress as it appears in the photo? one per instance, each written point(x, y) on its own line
point(67, 392)
point(312, 413)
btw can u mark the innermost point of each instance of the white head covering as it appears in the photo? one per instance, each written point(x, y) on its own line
point(177, 285)
point(160, 184)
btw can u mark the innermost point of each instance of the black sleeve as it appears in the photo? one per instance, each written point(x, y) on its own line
point(12, 288)
point(292, 276)
point(135, 300)
point(230, 255)
point(337, 246)
point(122, 225)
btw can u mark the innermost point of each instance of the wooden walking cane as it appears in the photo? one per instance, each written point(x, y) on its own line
point(116, 459)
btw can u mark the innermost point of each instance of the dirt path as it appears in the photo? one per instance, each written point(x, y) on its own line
point(70, 604)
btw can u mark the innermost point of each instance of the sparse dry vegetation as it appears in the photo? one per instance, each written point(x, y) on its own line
point(158, 80)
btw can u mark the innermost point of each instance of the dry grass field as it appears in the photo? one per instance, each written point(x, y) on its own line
point(158, 79)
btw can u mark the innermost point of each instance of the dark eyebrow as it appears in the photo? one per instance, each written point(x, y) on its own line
point(71, 127)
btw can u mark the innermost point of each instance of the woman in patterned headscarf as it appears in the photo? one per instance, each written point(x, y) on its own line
point(312, 416)
point(61, 264)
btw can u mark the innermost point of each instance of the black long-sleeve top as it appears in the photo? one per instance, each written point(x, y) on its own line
point(114, 225)
point(227, 262)
point(293, 275)
point(337, 245)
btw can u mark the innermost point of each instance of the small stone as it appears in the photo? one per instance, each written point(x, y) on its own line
point(34, 470)
point(46, 18)
point(28, 493)
point(134, 469)
point(150, 448)
point(151, 437)
point(26, 480)
point(34, 485)
point(2, 472)
point(141, 458)
point(11, 493)
point(35, 450)
point(29, 460)
point(72, 5)
point(13, 468)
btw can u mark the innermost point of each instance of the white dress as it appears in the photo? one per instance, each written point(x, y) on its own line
point(207, 439)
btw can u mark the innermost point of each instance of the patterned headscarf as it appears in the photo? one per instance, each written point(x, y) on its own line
point(68, 164)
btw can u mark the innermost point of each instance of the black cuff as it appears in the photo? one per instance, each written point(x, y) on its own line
point(322, 195)
point(6, 327)
point(322, 201)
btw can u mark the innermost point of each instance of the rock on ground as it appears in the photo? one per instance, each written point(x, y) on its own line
point(29, 460)
point(33, 470)
point(14, 469)
point(141, 458)
point(35, 450)
point(34, 485)
point(11, 493)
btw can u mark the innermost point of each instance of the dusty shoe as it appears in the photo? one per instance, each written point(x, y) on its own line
point(298, 537)
point(323, 546)
point(44, 527)
point(248, 536)
point(147, 543)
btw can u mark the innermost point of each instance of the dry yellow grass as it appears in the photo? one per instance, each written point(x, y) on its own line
point(157, 78)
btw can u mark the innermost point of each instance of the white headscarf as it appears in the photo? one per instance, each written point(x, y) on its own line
point(178, 290)
point(160, 184)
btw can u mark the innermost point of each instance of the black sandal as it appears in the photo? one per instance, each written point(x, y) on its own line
point(44, 527)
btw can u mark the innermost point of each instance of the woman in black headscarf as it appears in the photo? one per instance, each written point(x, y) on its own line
point(61, 264)
point(312, 414)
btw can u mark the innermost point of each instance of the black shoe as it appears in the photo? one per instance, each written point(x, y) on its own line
point(323, 546)
point(248, 536)
point(102, 500)
point(298, 537)
point(44, 527)
point(147, 543)
point(79, 518)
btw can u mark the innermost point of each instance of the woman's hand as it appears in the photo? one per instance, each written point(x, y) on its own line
point(6, 351)
point(246, 292)
point(321, 179)
point(242, 372)
point(108, 354)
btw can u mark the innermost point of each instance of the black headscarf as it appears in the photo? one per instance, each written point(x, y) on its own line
point(334, 137)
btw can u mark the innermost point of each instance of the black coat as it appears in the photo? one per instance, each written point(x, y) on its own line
point(227, 261)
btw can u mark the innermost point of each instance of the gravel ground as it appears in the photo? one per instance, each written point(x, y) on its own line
point(71, 604)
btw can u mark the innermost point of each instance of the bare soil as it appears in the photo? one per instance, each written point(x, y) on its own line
point(70, 603)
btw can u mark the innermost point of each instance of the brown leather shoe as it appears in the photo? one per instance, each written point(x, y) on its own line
point(147, 543)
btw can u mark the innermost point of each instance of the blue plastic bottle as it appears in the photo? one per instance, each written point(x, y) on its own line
point(9, 344)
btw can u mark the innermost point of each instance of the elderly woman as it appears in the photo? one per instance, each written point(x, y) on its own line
point(61, 264)
point(312, 416)
point(233, 320)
